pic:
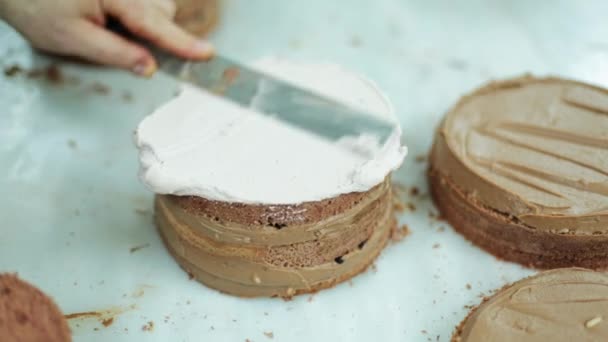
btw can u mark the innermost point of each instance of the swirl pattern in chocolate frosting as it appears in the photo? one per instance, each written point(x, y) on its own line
point(536, 149)
point(559, 305)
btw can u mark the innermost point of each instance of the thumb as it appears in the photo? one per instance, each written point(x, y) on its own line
point(97, 44)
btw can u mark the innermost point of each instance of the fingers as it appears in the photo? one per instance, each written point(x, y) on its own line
point(157, 26)
point(97, 44)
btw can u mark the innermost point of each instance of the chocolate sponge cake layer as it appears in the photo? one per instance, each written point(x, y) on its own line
point(520, 168)
point(282, 250)
point(28, 315)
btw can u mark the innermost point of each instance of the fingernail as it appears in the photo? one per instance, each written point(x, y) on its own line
point(204, 48)
point(145, 68)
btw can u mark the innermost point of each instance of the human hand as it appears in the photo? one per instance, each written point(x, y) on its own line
point(77, 28)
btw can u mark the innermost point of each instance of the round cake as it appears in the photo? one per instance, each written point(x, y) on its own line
point(28, 315)
point(252, 206)
point(520, 168)
point(566, 305)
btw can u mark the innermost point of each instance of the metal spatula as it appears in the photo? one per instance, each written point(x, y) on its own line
point(279, 99)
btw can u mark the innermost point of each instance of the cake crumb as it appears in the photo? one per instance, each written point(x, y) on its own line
point(441, 229)
point(127, 96)
point(374, 268)
point(248, 340)
point(142, 212)
point(350, 283)
point(435, 246)
point(411, 206)
point(423, 331)
point(414, 191)
point(310, 298)
point(107, 322)
point(139, 247)
point(399, 233)
point(100, 88)
point(398, 206)
point(12, 70)
point(72, 144)
point(355, 41)
point(421, 158)
point(269, 334)
point(468, 286)
point(148, 326)
point(593, 322)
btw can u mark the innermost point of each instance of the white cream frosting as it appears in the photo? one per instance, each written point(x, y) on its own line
point(202, 145)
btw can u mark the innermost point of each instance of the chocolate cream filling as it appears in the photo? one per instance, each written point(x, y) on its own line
point(266, 261)
point(558, 305)
point(533, 149)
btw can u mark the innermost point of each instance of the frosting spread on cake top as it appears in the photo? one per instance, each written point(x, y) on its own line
point(202, 145)
point(536, 149)
point(557, 305)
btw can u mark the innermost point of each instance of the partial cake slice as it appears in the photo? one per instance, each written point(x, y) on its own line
point(520, 168)
point(252, 206)
point(561, 305)
point(28, 315)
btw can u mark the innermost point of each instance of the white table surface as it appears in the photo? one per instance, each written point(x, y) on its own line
point(72, 207)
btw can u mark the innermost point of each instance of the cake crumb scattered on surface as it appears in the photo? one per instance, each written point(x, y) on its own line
point(269, 334)
point(423, 331)
point(421, 158)
point(148, 326)
point(400, 233)
point(138, 247)
point(310, 298)
point(355, 41)
point(468, 286)
point(374, 268)
point(593, 322)
point(72, 144)
point(398, 206)
point(107, 322)
point(13, 70)
point(411, 206)
point(127, 96)
point(100, 88)
point(414, 191)
point(142, 212)
point(436, 245)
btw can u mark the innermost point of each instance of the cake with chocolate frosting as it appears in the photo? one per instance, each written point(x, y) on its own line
point(28, 315)
point(252, 206)
point(560, 305)
point(520, 168)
